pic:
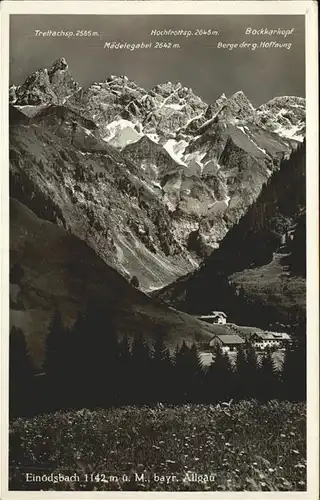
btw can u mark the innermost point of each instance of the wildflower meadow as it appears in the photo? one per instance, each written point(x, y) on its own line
point(246, 446)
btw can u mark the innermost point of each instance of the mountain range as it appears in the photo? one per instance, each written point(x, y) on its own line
point(151, 179)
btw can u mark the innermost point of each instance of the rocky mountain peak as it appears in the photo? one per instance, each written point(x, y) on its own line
point(237, 107)
point(214, 107)
point(59, 65)
point(46, 86)
point(165, 89)
point(284, 115)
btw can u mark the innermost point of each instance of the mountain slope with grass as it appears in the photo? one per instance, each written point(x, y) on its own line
point(67, 175)
point(52, 269)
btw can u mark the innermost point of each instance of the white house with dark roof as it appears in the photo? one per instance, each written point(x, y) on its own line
point(263, 340)
point(216, 317)
point(227, 342)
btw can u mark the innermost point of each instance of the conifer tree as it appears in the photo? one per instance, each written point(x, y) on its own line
point(78, 341)
point(196, 375)
point(80, 360)
point(168, 385)
point(159, 366)
point(124, 370)
point(269, 384)
point(182, 373)
point(96, 357)
point(219, 377)
point(21, 371)
point(56, 363)
point(188, 374)
point(251, 371)
point(105, 355)
point(175, 385)
point(294, 371)
point(140, 369)
point(54, 346)
point(240, 379)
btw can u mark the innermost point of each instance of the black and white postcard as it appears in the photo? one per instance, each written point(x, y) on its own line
point(159, 253)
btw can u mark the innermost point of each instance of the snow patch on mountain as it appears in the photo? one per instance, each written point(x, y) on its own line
point(245, 131)
point(153, 137)
point(194, 119)
point(240, 127)
point(285, 116)
point(116, 126)
point(31, 110)
point(291, 133)
point(176, 149)
point(176, 107)
point(121, 133)
point(87, 131)
point(195, 159)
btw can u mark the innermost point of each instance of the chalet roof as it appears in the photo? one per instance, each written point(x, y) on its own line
point(273, 336)
point(230, 339)
point(214, 314)
point(280, 335)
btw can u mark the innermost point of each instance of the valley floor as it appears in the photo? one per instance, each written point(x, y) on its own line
point(246, 446)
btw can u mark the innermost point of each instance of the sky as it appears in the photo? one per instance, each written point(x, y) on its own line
point(261, 74)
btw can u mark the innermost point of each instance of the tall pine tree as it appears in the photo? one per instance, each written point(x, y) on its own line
point(124, 370)
point(160, 367)
point(21, 371)
point(269, 383)
point(182, 373)
point(219, 377)
point(140, 369)
point(251, 371)
point(294, 371)
point(54, 346)
point(240, 379)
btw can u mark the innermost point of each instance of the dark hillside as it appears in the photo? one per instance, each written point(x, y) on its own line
point(52, 269)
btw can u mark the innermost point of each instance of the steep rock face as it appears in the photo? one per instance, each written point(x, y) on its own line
point(285, 116)
point(178, 105)
point(237, 107)
point(258, 272)
point(141, 174)
point(212, 178)
point(45, 86)
point(59, 271)
point(165, 108)
point(95, 194)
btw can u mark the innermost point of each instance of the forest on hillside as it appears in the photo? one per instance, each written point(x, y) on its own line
point(258, 234)
point(250, 244)
point(89, 366)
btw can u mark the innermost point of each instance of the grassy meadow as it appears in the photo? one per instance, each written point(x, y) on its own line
point(247, 446)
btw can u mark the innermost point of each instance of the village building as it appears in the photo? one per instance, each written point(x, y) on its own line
point(264, 340)
point(216, 317)
point(227, 343)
